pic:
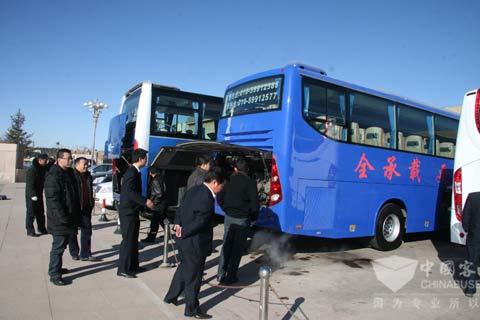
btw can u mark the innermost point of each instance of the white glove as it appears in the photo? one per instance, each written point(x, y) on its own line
point(34, 198)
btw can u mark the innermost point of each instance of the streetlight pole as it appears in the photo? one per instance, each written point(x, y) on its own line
point(96, 108)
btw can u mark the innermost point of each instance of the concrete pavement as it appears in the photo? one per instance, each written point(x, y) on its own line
point(314, 278)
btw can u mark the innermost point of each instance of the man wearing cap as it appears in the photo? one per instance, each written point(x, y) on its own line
point(35, 181)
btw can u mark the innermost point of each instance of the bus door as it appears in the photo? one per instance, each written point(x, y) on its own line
point(115, 148)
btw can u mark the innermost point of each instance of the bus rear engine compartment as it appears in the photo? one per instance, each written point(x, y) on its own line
point(178, 162)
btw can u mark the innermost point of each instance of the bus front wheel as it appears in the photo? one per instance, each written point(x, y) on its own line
point(389, 228)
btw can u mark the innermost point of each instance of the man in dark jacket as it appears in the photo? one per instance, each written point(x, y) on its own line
point(63, 210)
point(240, 202)
point(471, 225)
point(157, 193)
point(83, 178)
point(131, 202)
point(34, 195)
point(194, 232)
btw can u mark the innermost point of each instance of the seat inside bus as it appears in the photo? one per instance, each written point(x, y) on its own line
point(401, 141)
point(375, 136)
point(414, 143)
point(446, 149)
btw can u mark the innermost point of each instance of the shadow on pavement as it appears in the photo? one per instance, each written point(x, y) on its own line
point(99, 226)
point(94, 267)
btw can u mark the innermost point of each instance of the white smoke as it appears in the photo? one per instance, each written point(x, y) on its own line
point(276, 247)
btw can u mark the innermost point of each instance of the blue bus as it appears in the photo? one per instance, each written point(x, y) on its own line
point(346, 161)
point(332, 159)
point(153, 116)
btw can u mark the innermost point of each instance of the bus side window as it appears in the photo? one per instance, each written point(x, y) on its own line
point(445, 135)
point(325, 110)
point(377, 116)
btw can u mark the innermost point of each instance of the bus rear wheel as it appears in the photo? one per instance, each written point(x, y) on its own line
point(389, 228)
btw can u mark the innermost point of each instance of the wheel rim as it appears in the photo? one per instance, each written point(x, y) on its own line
point(391, 227)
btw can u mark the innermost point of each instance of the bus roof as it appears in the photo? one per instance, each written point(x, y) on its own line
point(318, 73)
point(163, 87)
point(139, 85)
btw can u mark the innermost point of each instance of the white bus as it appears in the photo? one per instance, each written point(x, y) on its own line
point(466, 178)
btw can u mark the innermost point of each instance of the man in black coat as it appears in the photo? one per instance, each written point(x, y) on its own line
point(83, 178)
point(63, 210)
point(157, 193)
point(471, 225)
point(131, 202)
point(34, 195)
point(240, 202)
point(194, 232)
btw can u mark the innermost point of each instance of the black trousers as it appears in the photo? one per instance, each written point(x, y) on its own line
point(35, 211)
point(188, 278)
point(128, 257)
point(59, 244)
point(85, 248)
point(473, 257)
point(158, 216)
point(234, 240)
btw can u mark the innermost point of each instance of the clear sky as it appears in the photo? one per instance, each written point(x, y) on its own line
point(57, 54)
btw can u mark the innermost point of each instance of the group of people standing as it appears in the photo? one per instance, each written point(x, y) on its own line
point(193, 223)
point(69, 199)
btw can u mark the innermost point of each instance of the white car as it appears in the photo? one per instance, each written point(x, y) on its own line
point(104, 191)
point(101, 168)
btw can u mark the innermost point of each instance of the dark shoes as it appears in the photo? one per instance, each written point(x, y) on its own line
point(173, 301)
point(43, 231)
point(469, 294)
point(58, 281)
point(32, 234)
point(76, 258)
point(126, 275)
point(139, 270)
point(64, 270)
point(200, 315)
point(223, 280)
point(90, 258)
point(149, 239)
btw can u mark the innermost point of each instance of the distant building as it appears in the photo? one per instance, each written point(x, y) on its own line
point(455, 109)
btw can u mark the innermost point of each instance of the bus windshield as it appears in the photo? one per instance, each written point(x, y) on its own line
point(174, 116)
point(131, 106)
point(254, 96)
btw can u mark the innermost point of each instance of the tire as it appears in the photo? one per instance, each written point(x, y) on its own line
point(389, 229)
